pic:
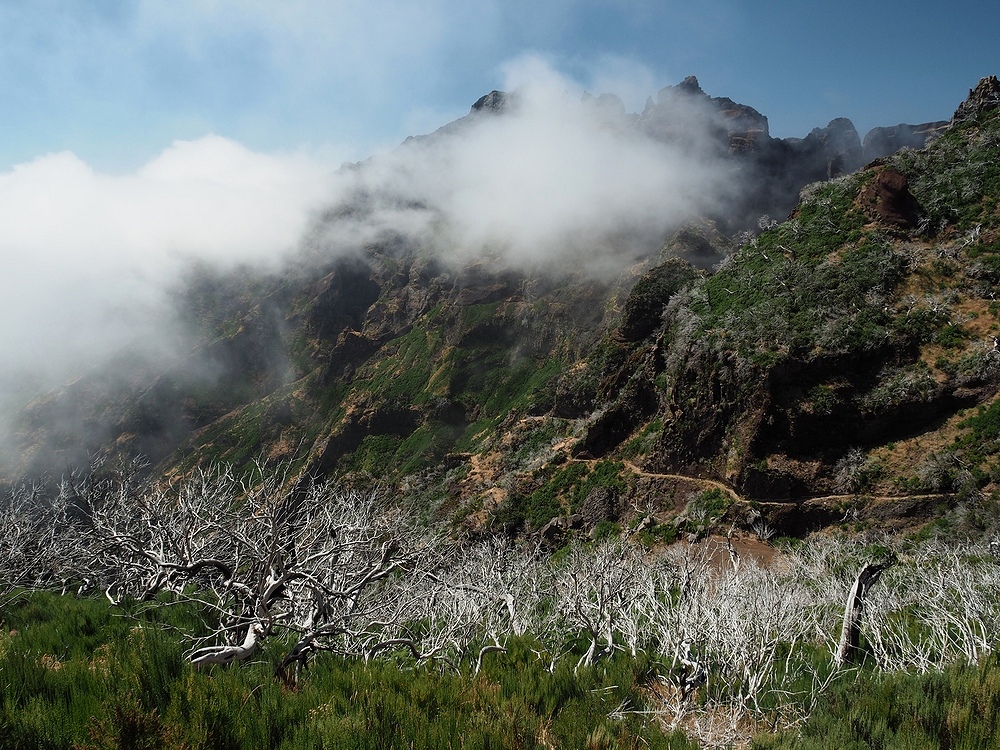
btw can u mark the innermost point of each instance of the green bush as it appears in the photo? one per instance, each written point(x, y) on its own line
point(813, 285)
point(708, 507)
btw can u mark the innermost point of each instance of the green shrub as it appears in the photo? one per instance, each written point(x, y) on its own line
point(956, 708)
point(708, 507)
point(606, 529)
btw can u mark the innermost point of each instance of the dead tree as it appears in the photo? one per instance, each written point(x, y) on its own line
point(319, 563)
point(692, 673)
point(850, 633)
point(22, 549)
point(472, 605)
point(261, 556)
point(163, 538)
point(947, 611)
point(43, 542)
point(593, 590)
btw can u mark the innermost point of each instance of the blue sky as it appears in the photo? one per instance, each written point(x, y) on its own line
point(116, 81)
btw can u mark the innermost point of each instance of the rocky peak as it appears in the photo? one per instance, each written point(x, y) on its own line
point(690, 85)
point(984, 97)
point(686, 107)
point(744, 123)
point(841, 144)
point(496, 102)
point(688, 88)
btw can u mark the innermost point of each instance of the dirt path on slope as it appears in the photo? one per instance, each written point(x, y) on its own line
point(890, 511)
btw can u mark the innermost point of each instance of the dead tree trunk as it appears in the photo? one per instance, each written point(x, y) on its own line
point(850, 633)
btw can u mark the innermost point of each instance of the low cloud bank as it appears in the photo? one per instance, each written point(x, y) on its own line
point(555, 180)
point(89, 257)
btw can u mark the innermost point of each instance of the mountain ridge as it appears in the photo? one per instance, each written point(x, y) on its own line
point(497, 395)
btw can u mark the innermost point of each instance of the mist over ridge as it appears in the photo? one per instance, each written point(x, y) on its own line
point(546, 179)
point(91, 256)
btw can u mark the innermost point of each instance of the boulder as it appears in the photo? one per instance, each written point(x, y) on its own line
point(559, 525)
point(602, 504)
point(888, 199)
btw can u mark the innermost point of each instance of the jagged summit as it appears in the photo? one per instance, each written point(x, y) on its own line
point(739, 120)
point(685, 108)
point(771, 170)
point(984, 97)
point(690, 85)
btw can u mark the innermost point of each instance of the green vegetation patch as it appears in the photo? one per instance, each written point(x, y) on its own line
point(957, 179)
point(921, 324)
point(644, 440)
point(403, 373)
point(956, 708)
point(708, 507)
point(814, 284)
point(899, 385)
point(79, 676)
point(983, 436)
point(564, 488)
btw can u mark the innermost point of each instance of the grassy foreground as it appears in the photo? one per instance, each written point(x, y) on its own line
point(958, 708)
point(76, 673)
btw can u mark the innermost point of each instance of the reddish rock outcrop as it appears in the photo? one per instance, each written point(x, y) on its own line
point(888, 199)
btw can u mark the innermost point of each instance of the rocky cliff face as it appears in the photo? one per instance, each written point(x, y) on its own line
point(831, 354)
point(881, 142)
point(839, 351)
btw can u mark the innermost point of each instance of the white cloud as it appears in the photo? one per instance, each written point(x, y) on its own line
point(550, 182)
point(87, 256)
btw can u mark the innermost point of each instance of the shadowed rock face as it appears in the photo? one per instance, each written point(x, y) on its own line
point(881, 142)
point(838, 143)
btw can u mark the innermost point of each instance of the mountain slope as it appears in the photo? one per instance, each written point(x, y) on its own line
point(840, 351)
point(820, 358)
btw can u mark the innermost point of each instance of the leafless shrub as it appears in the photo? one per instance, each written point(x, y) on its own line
point(354, 574)
point(856, 471)
point(763, 530)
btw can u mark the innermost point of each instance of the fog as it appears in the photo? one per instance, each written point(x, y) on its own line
point(89, 259)
point(559, 177)
point(89, 256)
point(557, 181)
